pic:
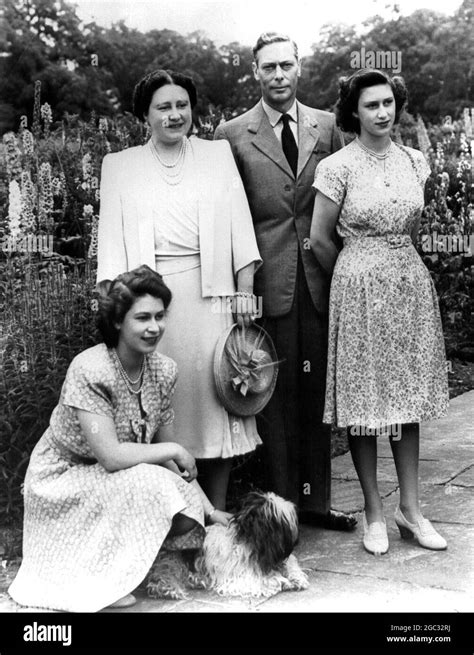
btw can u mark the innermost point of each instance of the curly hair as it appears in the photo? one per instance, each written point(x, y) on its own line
point(146, 87)
point(116, 297)
point(349, 92)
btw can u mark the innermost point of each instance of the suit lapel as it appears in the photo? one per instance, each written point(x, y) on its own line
point(308, 136)
point(265, 139)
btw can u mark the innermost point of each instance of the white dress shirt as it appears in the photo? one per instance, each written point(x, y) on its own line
point(274, 117)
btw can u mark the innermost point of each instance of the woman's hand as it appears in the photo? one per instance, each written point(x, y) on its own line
point(243, 305)
point(185, 461)
point(219, 517)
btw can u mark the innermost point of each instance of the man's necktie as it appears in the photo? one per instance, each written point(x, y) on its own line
point(289, 144)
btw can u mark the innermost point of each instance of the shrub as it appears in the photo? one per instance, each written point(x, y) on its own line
point(48, 318)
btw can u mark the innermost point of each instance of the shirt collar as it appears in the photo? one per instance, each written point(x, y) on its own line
point(274, 115)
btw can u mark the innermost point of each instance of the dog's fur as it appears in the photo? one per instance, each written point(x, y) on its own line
point(252, 556)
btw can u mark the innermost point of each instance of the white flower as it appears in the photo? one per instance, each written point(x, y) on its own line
point(87, 167)
point(28, 141)
point(28, 201)
point(14, 209)
point(12, 154)
point(46, 113)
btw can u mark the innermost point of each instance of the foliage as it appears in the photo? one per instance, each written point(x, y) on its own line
point(437, 54)
point(445, 238)
point(47, 319)
point(85, 68)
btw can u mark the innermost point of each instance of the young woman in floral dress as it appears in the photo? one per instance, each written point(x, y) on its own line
point(386, 365)
point(107, 487)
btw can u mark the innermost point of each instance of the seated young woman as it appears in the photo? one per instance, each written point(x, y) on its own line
point(107, 486)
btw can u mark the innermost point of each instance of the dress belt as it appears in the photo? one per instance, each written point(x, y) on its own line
point(170, 264)
point(392, 240)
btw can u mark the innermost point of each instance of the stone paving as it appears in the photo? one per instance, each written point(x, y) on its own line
point(343, 576)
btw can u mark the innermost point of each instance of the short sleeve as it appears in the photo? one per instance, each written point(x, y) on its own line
point(85, 388)
point(423, 171)
point(167, 376)
point(330, 179)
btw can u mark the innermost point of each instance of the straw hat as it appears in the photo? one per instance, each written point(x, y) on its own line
point(245, 369)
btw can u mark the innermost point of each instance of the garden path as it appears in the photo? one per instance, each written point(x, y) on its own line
point(343, 577)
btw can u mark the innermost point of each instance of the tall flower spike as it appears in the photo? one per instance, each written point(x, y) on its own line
point(28, 142)
point(13, 155)
point(36, 127)
point(45, 217)
point(14, 209)
point(92, 252)
point(47, 116)
point(28, 202)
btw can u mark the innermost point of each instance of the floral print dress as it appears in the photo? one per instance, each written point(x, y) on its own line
point(386, 357)
point(91, 536)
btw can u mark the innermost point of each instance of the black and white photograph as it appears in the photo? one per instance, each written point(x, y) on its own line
point(236, 336)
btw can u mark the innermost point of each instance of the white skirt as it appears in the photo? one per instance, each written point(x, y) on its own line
point(201, 424)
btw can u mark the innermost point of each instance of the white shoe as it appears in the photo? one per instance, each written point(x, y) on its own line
point(422, 531)
point(375, 536)
point(125, 601)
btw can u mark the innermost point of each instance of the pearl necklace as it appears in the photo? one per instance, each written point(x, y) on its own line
point(380, 156)
point(180, 154)
point(172, 179)
point(127, 379)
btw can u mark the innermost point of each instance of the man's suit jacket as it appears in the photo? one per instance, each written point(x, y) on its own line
point(127, 215)
point(281, 205)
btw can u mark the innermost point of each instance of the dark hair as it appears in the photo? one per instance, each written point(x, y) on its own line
point(349, 93)
point(272, 37)
point(146, 87)
point(116, 297)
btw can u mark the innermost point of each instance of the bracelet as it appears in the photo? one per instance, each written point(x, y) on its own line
point(211, 513)
point(244, 294)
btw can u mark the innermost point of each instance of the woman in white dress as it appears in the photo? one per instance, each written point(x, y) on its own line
point(107, 487)
point(178, 205)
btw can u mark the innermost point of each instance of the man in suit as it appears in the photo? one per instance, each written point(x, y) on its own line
point(277, 145)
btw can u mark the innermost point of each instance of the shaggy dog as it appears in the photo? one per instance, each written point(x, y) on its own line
point(252, 556)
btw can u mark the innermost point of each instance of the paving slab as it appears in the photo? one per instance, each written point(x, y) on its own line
point(405, 561)
point(199, 601)
point(448, 503)
point(346, 495)
point(465, 479)
point(339, 592)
